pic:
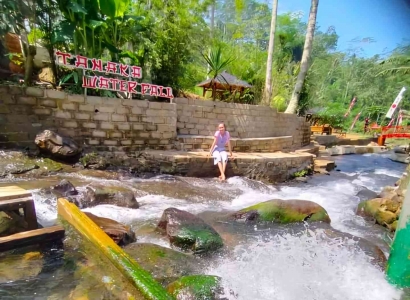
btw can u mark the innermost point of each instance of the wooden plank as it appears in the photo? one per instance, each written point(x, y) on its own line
point(13, 204)
point(141, 279)
point(32, 237)
point(13, 192)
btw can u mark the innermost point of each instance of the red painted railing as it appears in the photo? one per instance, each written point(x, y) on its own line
point(396, 131)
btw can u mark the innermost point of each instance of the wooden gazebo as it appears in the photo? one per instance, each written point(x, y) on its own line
point(224, 82)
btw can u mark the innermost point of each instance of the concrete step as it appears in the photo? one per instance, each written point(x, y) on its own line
point(267, 144)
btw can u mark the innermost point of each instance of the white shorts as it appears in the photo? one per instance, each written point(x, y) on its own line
point(219, 156)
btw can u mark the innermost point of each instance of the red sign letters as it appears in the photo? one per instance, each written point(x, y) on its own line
point(113, 84)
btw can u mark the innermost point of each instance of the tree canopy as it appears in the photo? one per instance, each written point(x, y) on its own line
point(170, 40)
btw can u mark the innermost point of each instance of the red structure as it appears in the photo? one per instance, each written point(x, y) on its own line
point(393, 132)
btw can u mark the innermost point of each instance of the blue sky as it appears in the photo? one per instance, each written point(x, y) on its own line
point(386, 21)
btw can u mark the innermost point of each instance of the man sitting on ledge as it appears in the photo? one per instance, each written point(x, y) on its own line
point(218, 152)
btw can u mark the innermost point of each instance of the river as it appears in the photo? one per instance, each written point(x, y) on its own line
point(282, 263)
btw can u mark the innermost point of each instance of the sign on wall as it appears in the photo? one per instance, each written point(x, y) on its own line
point(124, 73)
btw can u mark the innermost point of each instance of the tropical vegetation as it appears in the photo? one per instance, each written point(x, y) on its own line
point(181, 43)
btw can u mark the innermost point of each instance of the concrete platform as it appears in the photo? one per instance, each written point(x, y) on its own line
point(350, 149)
point(269, 167)
point(266, 144)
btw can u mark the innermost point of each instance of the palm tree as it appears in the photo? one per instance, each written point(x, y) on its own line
point(397, 64)
point(268, 82)
point(304, 65)
point(216, 65)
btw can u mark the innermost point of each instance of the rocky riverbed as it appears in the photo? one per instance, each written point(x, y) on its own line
point(307, 233)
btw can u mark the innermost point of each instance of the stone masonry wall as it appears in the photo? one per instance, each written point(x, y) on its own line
point(199, 117)
point(111, 124)
point(106, 124)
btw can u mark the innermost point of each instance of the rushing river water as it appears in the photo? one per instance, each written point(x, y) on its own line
point(283, 263)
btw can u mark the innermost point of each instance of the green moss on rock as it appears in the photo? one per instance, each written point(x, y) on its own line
point(189, 232)
point(196, 287)
point(284, 211)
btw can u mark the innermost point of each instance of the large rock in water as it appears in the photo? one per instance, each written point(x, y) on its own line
point(384, 210)
point(64, 188)
point(371, 250)
point(165, 265)
point(56, 145)
point(189, 232)
point(197, 287)
point(96, 195)
point(283, 211)
point(121, 234)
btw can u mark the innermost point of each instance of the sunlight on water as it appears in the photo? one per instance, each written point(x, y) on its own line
point(303, 267)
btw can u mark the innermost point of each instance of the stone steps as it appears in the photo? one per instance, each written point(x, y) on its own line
point(267, 144)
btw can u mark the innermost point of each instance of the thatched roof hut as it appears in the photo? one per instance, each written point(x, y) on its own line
point(224, 82)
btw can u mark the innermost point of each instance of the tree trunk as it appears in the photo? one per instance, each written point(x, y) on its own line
point(212, 34)
point(304, 65)
point(28, 73)
point(267, 95)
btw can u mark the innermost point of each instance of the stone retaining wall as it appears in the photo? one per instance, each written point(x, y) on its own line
point(111, 124)
point(198, 117)
point(106, 124)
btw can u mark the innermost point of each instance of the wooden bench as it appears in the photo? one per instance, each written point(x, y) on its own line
point(321, 129)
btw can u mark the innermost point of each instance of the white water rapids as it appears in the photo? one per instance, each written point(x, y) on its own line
point(283, 267)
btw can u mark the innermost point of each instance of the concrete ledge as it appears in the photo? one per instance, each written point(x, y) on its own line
point(268, 167)
point(350, 149)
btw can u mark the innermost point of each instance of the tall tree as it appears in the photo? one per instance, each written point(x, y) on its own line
point(268, 82)
point(304, 66)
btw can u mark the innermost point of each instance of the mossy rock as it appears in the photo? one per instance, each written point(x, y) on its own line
point(283, 211)
point(380, 209)
point(189, 232)
point(94, 161)
point(196, 287)
point(164, 264)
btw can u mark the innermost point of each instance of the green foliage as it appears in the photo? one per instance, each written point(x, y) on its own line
point(167, 39)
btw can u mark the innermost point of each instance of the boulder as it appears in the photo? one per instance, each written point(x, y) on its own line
point(94, 161)
point(371, 250)
point(189, 232)
point(64, 188)
point(366, 194)
point(383, 210)
point(119, 196)
point(283, 211)
point(16, 168)
point(121, 234)
point(164, 264)
point(388, 192)
point(56, 145)
point(197, 287)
